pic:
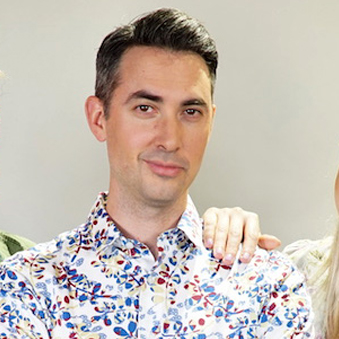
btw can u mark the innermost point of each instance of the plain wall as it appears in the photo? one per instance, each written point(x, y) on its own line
point(274, 148)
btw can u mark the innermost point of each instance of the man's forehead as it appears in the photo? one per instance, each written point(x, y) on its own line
point(161, 66)
point(134, 55)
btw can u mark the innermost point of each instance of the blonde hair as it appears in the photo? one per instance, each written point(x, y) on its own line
point(331, 289)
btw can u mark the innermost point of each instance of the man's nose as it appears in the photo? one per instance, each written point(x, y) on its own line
point(169, 133)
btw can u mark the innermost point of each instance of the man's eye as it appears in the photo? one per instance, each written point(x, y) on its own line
point(144, 108)
point(192, 111)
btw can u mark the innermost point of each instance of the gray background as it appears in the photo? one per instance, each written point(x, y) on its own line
point(274, 148)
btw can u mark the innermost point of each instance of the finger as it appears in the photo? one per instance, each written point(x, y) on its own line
point(210, 218)
point(251, 237)
point(269, 242)
point(221, 234)
point(235, 235)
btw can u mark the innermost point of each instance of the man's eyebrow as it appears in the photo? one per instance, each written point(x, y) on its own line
point(196, 102)
point(142, 94)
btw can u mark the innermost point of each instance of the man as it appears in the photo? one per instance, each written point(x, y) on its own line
point(138, 267)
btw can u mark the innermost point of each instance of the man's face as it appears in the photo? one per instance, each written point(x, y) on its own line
point(158, 124)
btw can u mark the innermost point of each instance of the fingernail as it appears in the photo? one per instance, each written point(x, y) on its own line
point(246, 256)
point(228, 258)
point(218, 253)
point(209, 242)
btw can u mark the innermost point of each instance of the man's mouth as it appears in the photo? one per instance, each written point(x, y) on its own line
point(164, 169)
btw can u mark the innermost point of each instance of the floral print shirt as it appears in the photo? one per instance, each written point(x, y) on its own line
point(95, 283)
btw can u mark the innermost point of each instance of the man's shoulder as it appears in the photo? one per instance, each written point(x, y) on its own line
point(268, 267)
point(273, 261)
point(271, 258)
point(42, 255)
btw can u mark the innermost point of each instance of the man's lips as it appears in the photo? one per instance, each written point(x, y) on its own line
point(165, 169)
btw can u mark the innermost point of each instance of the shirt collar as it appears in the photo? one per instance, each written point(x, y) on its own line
point(191, 224)
point(105, 232)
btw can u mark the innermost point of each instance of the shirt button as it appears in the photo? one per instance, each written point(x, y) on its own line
point(129, 245)
point(151, 279)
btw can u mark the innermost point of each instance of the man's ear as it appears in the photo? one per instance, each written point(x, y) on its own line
point(214, 108)
point(95, 117)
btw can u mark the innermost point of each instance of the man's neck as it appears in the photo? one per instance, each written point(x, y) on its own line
point(144, 222)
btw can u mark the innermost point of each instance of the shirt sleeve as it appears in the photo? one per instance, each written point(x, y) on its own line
point(287, 312)
point(21, 315)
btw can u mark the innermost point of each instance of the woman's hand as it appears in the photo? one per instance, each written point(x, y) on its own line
point(226, 228)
